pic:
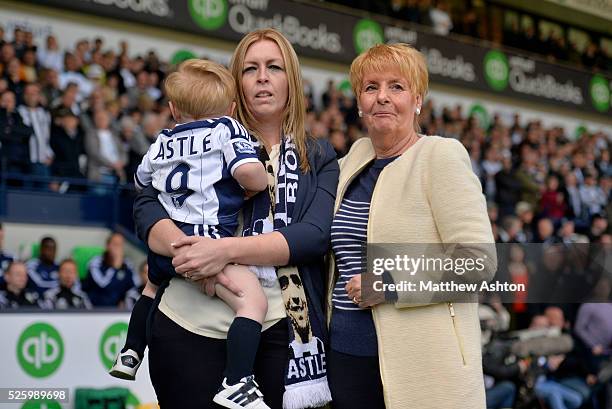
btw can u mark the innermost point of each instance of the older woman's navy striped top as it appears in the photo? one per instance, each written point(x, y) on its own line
point(352, 328)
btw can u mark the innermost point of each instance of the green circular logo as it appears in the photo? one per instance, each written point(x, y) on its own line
point(580, 130)
point(41, 404)
point(111, 343)
point(481, 115)
point(208, 14)
point(40, 350)
point(345, 87)
point(600, 93)
point(366, 34)
point(180, 56)
point(496, 70)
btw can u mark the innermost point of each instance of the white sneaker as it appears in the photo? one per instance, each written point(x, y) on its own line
point(126, 365)
point(245, 394)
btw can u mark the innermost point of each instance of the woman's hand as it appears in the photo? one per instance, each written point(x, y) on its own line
point(200, 257)
point(353, 289)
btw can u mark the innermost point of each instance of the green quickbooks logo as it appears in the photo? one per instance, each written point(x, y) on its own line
point(40, 350)
point(600, 93)
point(41, 404)
point(181, 55)
point(111, 343)
point(366, 34)
point(496, 70)
point(481, 115)
point(208, 14)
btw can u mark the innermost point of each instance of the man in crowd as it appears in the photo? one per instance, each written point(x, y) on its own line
point(39, 119)
point(67, 294)
point(43, 270)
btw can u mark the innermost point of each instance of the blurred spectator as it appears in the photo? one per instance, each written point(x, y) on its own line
point(15, 137)
point(49, 86)
point(573, 196)
point(67, 294)
point(491, 165)
point(135, 292)
point(494, 318)
point(552, 203)
point(545, 231)
point(106, 153)
point(39, 119)
point(67, 143)
point(5, 258)
point(340, 143)
point(19, 43)
point(51, 57)
point(151, 126)
point(42, 271)
point(440, 18)
point(527, 177)
point(73, 74)
point(567, 383)
point(15, 78)
point(502, 369)
point(141, 90)
point(16, 295)
point(109, 276)
point(591, 195)
point(519, 274)
point(567, 233)
point(68, 99)
point(512, 230)
point(508, 188)
point(599, 227)
point(138, 144)
point(29, 66)
point(524, 211)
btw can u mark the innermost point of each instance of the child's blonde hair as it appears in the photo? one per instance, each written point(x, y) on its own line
point(201, 89)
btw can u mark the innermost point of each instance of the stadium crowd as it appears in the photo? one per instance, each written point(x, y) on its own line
point(473, 18)
point(90, 113)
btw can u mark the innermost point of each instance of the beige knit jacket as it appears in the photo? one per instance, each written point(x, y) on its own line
point(429, 354)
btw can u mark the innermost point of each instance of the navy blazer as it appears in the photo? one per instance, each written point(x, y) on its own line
point(308, 236)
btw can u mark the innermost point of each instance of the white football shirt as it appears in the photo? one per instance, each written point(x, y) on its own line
point(192, 167)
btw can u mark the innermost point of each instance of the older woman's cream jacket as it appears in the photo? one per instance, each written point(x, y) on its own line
point(430, 356)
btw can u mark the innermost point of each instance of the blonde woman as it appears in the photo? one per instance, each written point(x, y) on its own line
point(286, 226)
point(398, 186)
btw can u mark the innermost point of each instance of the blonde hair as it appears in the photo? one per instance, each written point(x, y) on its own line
point(201, 88)
point(295, 112)
point(386, 57)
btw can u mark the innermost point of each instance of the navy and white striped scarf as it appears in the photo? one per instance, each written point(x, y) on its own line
point(306, 375)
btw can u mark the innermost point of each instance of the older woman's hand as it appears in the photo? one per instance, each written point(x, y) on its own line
point(199, 257)
point(353, 289)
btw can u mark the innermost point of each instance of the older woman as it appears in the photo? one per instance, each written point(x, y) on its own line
point(401, 187)
point(287, 225)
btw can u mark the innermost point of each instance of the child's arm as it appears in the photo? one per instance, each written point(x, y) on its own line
point(144, 174)
point(241, 157)
point(252, 176)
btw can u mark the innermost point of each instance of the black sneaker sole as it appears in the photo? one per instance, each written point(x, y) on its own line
point(122, 375)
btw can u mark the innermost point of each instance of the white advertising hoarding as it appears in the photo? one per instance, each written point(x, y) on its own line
point(66, 350)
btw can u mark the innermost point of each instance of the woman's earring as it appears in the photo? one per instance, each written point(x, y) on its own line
point(417, 110)
point(360, 113)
